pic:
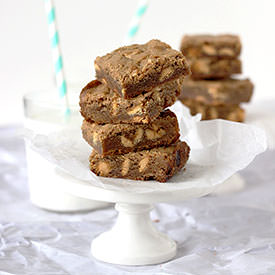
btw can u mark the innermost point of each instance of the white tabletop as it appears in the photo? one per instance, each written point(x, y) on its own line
point(229, 234)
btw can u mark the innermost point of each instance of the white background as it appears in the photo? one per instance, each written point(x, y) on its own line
point(90, 28)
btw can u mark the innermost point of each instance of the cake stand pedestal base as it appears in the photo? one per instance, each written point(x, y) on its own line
point(133, 240)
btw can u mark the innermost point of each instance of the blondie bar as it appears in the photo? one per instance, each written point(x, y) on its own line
point(102, 105)
point(224, 111)
point(225, 91)
point(159, 163)
point(220, 46)
point(133, 70)
point(111, 139)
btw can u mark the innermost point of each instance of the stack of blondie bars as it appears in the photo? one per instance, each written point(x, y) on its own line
point(126, 121)
point(210, 90)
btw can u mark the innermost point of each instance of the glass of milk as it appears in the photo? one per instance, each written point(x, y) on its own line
point(44, 114)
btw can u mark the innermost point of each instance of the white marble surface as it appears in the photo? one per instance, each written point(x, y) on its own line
point(228, 234)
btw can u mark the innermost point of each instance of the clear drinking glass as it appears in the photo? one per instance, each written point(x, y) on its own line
point(44, 114)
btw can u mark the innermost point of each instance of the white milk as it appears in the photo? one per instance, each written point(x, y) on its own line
point(44, 117)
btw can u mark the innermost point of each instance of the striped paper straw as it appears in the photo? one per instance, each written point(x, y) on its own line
point(57, 57)
point(136, 20)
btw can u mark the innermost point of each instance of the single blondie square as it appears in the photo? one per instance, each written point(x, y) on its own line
point(220, 46)
point(213, 68)
point(215, 92)
point(159, 163)
point(228, 111)
point(100, 104)
point(111, 139)
point(133, 70)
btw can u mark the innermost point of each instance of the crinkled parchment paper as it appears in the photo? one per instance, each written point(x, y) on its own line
point(219, 148)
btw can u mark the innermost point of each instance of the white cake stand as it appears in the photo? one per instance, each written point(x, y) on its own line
point(215, 156)
point(133, 240)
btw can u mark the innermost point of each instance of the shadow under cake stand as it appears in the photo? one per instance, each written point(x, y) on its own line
point(133, 240)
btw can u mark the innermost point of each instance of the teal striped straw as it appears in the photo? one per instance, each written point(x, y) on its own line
point(57, 56)
point(136, 20)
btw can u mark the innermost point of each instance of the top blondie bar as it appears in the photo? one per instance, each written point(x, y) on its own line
point(218, 46)
point(135, 69)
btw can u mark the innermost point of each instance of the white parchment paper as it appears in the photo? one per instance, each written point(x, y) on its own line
point(218, 149)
